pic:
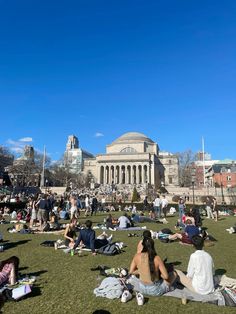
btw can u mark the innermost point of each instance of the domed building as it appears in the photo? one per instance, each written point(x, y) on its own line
point(132, 158)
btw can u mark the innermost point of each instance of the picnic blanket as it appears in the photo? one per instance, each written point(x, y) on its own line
point(216, 297)
point(224, 294)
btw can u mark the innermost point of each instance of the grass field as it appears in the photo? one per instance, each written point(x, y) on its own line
point(65, 283)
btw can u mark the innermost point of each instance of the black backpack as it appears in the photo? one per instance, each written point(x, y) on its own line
point(109, 249)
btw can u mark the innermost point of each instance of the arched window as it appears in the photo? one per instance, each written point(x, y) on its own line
point(127, 150)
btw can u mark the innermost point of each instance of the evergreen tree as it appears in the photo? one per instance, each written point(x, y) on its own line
point(135, 195)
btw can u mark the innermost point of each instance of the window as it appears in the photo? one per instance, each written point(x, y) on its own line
point(127, 150)
point(170, 161)
point(170, 180)
point(228, 178)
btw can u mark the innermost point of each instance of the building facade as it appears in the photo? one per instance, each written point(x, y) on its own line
point(171, 166)
point(200, 167)
point(131, 159)
point(74, 156)
point(222, 174)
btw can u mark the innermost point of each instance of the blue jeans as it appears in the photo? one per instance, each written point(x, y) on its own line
point(157, 211)
point(181, 213)
point(157, 288)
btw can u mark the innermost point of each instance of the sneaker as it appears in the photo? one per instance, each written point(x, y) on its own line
point(126, 296)
point(140, 298)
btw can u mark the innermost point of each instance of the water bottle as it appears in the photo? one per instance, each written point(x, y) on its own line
point(72, 252)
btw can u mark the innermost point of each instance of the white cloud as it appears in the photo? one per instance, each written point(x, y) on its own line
point(11, 142)
point(98, 134)
point(18, 146)
point(26, 139)
point(17, 150)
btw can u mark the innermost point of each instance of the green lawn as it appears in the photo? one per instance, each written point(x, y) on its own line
point(65, 283)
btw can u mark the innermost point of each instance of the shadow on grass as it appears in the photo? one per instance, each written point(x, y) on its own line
point(220, 271)
point(146, 300)
point(37, 273)
point(4, 241)
point(36, 291)
point(23, 268)
point(15, 244)
point(101, 312)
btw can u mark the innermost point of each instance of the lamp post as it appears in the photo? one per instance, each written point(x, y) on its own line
point(215, 189)
point(193, 192)
point(222, 191)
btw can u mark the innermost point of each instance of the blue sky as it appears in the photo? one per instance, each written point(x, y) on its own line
point(164, 68)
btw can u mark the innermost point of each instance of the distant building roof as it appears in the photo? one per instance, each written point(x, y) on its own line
point(133, 136)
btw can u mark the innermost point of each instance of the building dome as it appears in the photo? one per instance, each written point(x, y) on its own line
point(133, 137)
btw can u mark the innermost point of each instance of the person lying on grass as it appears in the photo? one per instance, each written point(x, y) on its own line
point(9, 270)
point(199, 276)
point(153, 276)
point(88, 239)
point(189, 231)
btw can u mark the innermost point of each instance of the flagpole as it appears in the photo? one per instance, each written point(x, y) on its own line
point(43, 172)
point(203, 162)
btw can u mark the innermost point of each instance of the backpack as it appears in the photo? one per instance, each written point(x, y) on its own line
point(109, 249)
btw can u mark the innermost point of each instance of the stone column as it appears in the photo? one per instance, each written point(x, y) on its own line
point(143, 177)
point(139, 174)
point(134, 168)
point(105, 175)
point(148, 174)
point(100, 175)
point(110, 175)
point(126, 175)
point(116, 175)
point(120, 174)
point(131, 174)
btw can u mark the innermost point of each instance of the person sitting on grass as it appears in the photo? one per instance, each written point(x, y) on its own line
point(88, 239)
point(199, 276)
point(109, 224)
point(181, 224)
point(63, 214)
point(189, 231)
point(54, 224)
point(9, 270)
point(153, 276)
point(124, 221)
point(196, 215)
point(70, 233)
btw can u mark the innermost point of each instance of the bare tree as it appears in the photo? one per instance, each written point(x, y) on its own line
point(186, 168)
point(25, 174)
point(38, 160)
